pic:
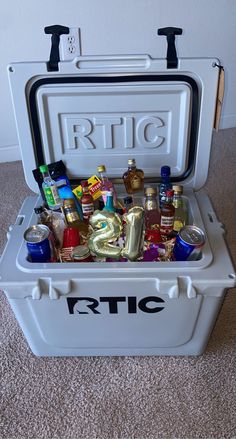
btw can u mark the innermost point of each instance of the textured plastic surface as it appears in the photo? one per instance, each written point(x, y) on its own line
point(150, 308)
point(98, 111)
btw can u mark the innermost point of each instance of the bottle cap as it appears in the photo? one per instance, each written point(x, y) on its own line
point(101, 168)
point(84, 183)
point(150, 191)
point(131, 162)
point(43, 168)
point(165, 171)
point(109, 193)
point(178, 189)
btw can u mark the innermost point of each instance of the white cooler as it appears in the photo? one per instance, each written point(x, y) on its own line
point(94, 110)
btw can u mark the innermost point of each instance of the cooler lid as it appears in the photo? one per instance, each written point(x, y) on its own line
point(105, 110)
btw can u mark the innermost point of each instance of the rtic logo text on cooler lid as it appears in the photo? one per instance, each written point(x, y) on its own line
point(90, 305)
point(143, 130)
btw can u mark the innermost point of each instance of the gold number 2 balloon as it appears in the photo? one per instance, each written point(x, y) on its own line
point(107, 228)
point(134, 233)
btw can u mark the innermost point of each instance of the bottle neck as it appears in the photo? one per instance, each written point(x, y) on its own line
point(103, 176)
point(165, 179)
point(86, 190)
point(151, 202)
point(132, 167)
point(46, 174)
point(177, 200)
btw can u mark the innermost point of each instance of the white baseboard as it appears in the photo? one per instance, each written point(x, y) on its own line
point(228, 121)
point(9, 153)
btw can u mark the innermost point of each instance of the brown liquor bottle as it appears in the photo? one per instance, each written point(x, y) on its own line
point(167, 214)
point(72, 216)
point(133, 178)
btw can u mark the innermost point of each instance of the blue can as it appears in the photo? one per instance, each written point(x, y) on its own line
point(38, 245)
point(189, 241)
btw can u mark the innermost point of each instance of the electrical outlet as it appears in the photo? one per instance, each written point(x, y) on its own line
point(70, 46)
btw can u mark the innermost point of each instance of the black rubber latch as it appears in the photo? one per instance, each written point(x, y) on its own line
point(56, 31)
point(170, 32)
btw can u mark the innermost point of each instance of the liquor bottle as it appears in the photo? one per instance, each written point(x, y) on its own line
point(167, 214)
point(72, 216)
point(86, 201)
point(152, 213)
point(133, 178)
point(50, 189)
point(106, 184)
point(181, 213)
point(45, 218)
point(109, 202)
point(165, 184)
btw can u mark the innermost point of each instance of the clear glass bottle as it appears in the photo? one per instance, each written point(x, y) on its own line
point(106, 184)
point(165, 184)
point(50, 189)
point(167, 214)
point(181, 214)
point(152, 213)
point(133, 178)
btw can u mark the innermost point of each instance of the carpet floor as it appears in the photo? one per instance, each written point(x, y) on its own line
point(123, 397)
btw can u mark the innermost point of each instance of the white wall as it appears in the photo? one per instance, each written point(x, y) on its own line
point(115, 27)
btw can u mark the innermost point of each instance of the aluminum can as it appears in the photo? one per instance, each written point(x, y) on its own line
point(38, 245)
point(81, 253)
point(188, 244)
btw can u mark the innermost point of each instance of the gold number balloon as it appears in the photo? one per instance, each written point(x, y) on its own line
point(134, 233)
point(107, 228)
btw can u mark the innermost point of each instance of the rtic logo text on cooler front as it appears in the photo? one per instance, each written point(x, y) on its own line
point(90, 305)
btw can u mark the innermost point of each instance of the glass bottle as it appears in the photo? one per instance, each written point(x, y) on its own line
point(133, 178)
point(86, 201)
point(72, 216)
point(165, 184)
point(152, 213)
point(106, 184)
point(167, 214)
point(50, 189)
point(181, 214)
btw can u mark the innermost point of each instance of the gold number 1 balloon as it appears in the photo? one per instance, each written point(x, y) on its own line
point(108, 227)
point(134, 233)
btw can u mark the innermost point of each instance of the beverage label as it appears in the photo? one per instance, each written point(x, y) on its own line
point(51, 195)
point(94, 188)
point(87, 209)
point(166, 225)
point(136, 183)
point(167, 221)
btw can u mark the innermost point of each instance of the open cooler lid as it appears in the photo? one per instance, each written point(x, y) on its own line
point(104, 110)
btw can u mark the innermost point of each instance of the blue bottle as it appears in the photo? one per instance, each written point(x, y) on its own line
point(109, 202)
point(165, 184)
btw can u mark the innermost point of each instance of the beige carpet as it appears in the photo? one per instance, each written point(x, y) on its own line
point(124, 397)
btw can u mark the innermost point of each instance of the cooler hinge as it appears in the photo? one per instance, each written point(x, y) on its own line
point(171, 56)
